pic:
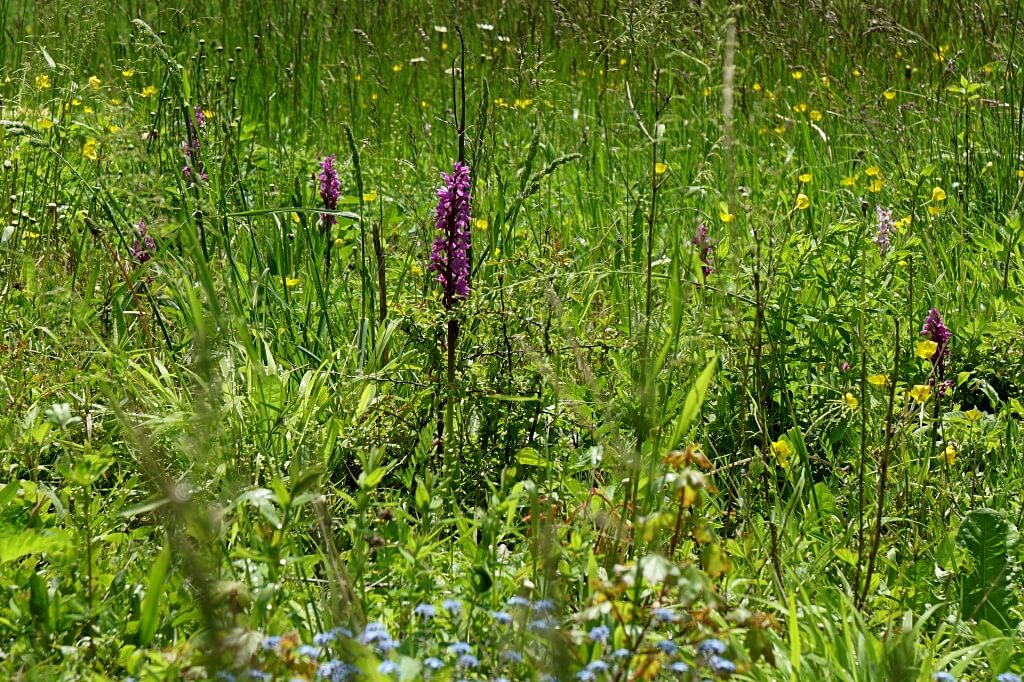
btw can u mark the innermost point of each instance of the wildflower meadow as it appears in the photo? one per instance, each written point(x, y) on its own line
point(569, 340)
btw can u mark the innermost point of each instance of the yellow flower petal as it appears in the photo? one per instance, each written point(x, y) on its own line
point(805, 178)
point(802, 201)
point(889, 95)
point(925, 349)
point(128, 73)
point(291, 282)
point(948, 455)
point(726, 217)
point(851, 401)
point(973, 414)
point(797, 74)
point(872, 171)
point(848, 181)
point(660, 168)
point(42, 81)
point(89, 149)
point(921, 392)
point(878, 380)
point(782, 451)
point(148, 91)
point(816, 115)
point(938, 194)
point(876, 185)
point(370, 197)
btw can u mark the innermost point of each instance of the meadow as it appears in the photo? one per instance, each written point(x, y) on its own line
point(582, 340)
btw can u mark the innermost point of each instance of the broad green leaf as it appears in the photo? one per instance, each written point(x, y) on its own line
point(986, 592)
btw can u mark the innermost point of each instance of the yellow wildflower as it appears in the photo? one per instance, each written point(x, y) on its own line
point(291, 282)
point(921, 392)
point(756, 87)
point(934, 211)
point(872, 171)
point(46, 124)
point(948, 455)
point(95, 82)
point(800, 108)
point(89, 149)
point(889, 95)
point(42, 81)
point(338, 243)
point(369, 197)
point(857, 73)
point(878, 380)
point(925, 349)
point(797, 74)
point(1020, 172)
point(805, 178)
point(480, 223)
point(396, 68)
point(816, 115)
point(938, 194)
point(148, 91)
point(973, 414)
point(114, 128)
point(851, 401)
point(725, 216)
point(876, 185)
point(128, 73)
point(848, 181)
point(782, 451)
point(660, 168)
point(802, 201)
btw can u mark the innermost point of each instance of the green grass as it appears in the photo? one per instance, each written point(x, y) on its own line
point(253, 432)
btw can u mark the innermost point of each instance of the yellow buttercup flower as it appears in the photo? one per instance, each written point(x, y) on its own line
point(889, 95)
point(89, 149)
point(782, 451)
point(114, 128)
point(42, 81)
point(876, 185)
point(128, 73)
point(802, 201)
point(291, 282)
point(921, 392)
point(948, 455)
point(1020, 172)
point(851, 401)
point(148, 91)
point(338, 243)
point(848, 181)
point(46, 124)
point(973, 414)
point(816, 115)
point(857, 73)
point(95, 82)
point(800, 108)
point(938, 194)
point(725, 216)
point(756, 87)
point(660, 168)
point(878, 380)
point(925, 349)
point(934, 211)
point(480, 223)
point(872, 171)
point(369, 197)
point(805, 178)
point(797, 74)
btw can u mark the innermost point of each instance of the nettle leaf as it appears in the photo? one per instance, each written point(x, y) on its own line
point(986, 591)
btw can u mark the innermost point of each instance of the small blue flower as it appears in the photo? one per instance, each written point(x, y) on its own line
point(501, 679)
point(502, 617)
point(598, 666)
point(667, 647)
point(309, 651)
point(460, 648)
point(433, 663)
point(586, 676)
point(510, 656)
point(342, 632)
point(255, 674)
point(385, 644)
point(599, 633)
point(271, 642)
point(1007, 677)
point(711, 647)
point(323, 638)
point(665, 615)
point(542, 624)
point(387, 668)
point(679, 668)
point(721, 666)
point(468, 661)
point(943, 676)
point(425, 611)
point(452, 606)
point(622, 653)
point(544, 606)
point(516, 600)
